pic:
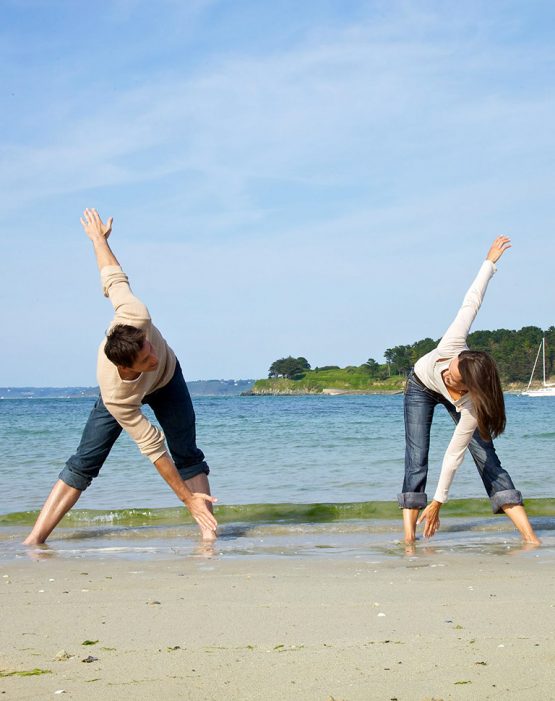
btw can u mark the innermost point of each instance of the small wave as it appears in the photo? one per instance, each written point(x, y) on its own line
point(269, 513)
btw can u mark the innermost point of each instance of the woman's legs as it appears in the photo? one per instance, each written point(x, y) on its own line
point(419, 407)
point(410, 517)
point(498, 483)
point(519, 517)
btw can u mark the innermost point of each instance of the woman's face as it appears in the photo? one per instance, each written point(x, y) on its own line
point(452, 377)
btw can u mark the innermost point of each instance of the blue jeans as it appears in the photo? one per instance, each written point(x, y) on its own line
point(420, 403)
point(172, 407)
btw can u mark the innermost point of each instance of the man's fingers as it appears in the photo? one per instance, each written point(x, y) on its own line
point(200, 511)
point(207, 522)
point(206, 497)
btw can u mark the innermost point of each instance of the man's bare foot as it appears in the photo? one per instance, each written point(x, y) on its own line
point(40, 552)
point(33, 540)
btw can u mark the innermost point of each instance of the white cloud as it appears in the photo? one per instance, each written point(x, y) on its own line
point(359, 103)
point(311, 198)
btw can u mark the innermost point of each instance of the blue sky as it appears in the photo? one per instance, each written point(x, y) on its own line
point(317, 178)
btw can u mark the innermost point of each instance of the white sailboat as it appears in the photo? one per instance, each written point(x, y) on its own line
point(548, 389)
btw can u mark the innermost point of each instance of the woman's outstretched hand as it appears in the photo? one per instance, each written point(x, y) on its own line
point(498, 247)
point(431, 516)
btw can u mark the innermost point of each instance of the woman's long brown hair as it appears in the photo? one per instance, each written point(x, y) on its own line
point(479, 374)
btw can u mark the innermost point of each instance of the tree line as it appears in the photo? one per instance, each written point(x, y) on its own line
point(513, 351)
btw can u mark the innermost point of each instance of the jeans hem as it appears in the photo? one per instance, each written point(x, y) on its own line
point(193, 470)
point(507, 497)
point(74, 479)
point(412, 500)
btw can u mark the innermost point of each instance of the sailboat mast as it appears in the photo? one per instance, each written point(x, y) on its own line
point(534, 368)
point(543, 348)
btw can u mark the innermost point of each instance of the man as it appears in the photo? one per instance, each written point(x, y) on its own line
point(135, 366)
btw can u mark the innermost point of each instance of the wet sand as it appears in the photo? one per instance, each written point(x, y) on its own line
point(432, 625)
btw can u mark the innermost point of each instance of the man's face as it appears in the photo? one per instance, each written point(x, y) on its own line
point(146, 360)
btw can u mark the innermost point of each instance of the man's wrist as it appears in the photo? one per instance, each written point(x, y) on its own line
point(186, 497)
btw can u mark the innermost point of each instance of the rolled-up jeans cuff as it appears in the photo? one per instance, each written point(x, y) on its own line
point(507, 497)
point(74, 479)
point(193, 470)
point(412, 500)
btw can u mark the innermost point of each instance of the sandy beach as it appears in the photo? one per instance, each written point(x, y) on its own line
point(432, 625)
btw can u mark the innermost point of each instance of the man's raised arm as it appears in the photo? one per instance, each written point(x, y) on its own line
point(115, 285)
point(98, 233)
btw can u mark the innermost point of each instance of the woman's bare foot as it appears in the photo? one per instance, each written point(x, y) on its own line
point(409, 525)
point(532, 540)
point(519, 517)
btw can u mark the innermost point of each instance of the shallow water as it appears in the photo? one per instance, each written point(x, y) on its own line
point(293, 475)
point(376, 539)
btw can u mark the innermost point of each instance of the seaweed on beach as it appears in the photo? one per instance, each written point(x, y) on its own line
point(24, 672)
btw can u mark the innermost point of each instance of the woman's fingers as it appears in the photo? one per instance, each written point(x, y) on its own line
point(498, 247)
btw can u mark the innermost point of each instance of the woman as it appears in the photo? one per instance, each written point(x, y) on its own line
point(467, 384)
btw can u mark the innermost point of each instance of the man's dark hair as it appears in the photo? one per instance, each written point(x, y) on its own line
point(123, 344)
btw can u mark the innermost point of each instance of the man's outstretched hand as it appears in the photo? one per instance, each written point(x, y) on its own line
point(94, 226)
point(196, 504)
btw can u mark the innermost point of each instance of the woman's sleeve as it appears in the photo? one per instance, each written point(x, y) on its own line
point(454, 339)
point(454, 454)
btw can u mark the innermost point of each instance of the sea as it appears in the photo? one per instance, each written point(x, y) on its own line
point(295, 476)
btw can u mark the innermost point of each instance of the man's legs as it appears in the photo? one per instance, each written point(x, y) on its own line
point(59, 502)
point(419, 407)
point(99, 435)
point(173, 408)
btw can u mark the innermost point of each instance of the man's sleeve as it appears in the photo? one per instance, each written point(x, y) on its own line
point(148, 438)
point(128, 308)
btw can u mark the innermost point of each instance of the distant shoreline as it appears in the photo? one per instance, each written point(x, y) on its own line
point(327, 392)
point(214, 388)
point(197, 388)
point(513, 388)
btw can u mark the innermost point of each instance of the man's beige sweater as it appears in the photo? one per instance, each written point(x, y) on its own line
point(123, 398)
